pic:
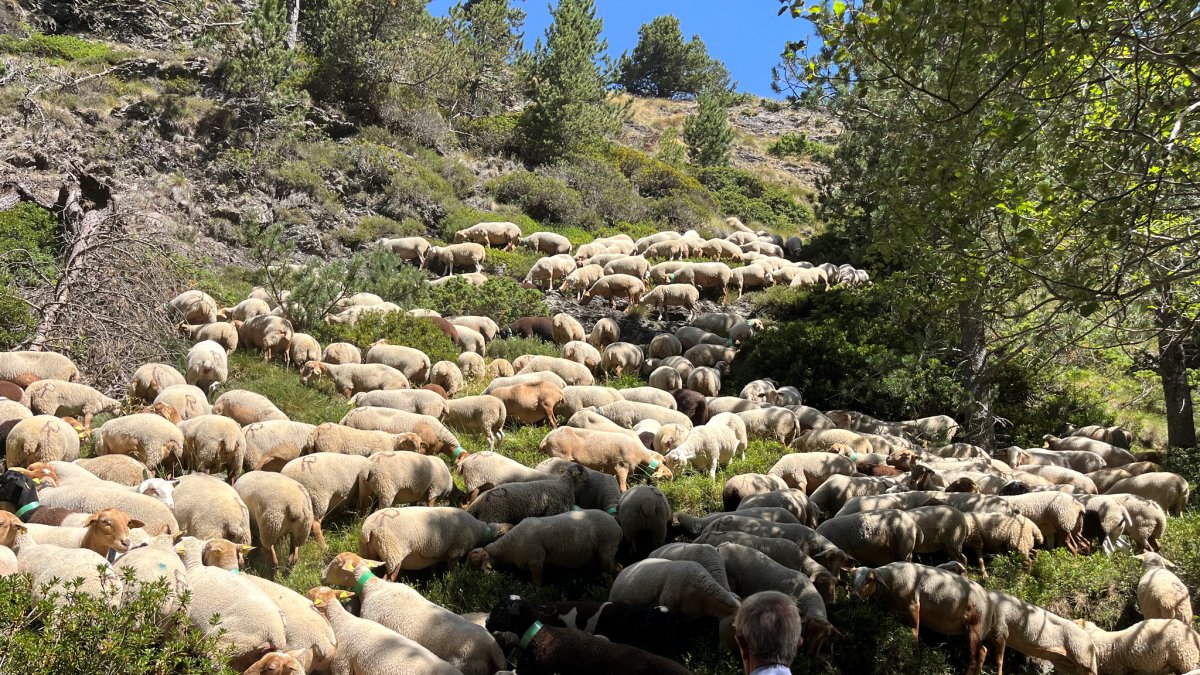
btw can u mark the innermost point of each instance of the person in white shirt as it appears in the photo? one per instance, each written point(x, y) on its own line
point(767, 631)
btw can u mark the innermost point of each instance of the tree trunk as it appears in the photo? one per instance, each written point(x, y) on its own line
point(979, 420)
point(293, 33)
point(1177, 392)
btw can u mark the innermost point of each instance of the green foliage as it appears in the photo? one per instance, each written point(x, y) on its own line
point(708, 134)
point(511, 348)
point(390, 277)
point(488, 46)
point(29, 242)
point(373, 228)
point(262, 67)
point(59, 48)
point(397, 328)
point(1186, 463)
point(1099, 588)
point(80, 634)
point(797, 145)
point(1035, 402)
point(664, 66)
point(314, 404)
point(569, 110)
point(543, 198)
point(499, 298)
point(602, 188)
point(16, 322)
point(493, 135)
point(752, 199)
point(670, 149)
point(513, 264)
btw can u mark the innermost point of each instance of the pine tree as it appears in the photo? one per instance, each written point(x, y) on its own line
point(488, 39)
point(708, 134)
point(569, 109)
point(663, 65)
point(670, 149)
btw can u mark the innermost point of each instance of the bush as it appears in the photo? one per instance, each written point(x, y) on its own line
point(59, 48)
point(512, 264)
point(601, 188)
point(500, 298)
point(511, 348)
point(81, 634)
point(494, 135)
point(742, 194)
point(16, 323)
point(397, 328)
point(462, 217)
point(372, 228)
point(797, 145)
point(387, 275)
point(544, 199)
point(29, 242)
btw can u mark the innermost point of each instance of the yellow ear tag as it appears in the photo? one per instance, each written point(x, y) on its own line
point(318, 602)
point(344, 595)
point(348, 566)
point(245, 548)
point(181, 549)
point(373, 563)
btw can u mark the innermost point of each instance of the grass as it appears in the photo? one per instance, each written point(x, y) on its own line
point(315, 404)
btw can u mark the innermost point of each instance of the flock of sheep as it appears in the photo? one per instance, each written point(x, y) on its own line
point(847, 505)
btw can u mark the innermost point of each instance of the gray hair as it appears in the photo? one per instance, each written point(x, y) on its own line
point(768, 626)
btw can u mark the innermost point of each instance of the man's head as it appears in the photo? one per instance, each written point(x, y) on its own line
point(767, 630)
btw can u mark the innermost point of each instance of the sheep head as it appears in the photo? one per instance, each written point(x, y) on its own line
point(109, 529)
point(478, 559)
point(282, 663)
point(10, 527)
point(323, 597)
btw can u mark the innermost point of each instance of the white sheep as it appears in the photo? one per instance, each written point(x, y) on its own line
point(271, 444)
point(401, 478)
point(247, 407)
point(68, 399)
point(413, 363)
point(483, 415)
point(1160, 594)
point(566, 540)
point(1169, 490)
point(330, 479)
point(41, 438)
point(418, 537)
point(279, 507)
point(1151, 646)
point(207, 508)
point(682, 586)
point(419, 401)
point(341, 352)
point(187, 400)
point(213, 443)
point(148, 438)
point(446, 375)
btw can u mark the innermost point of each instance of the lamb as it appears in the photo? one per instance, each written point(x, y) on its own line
point(68, 399)
point(408, 248)
point(682, 586)
point(874, 537)
point(213, 443)
point(247, 407)
point(279, 507)
point(188, 401)
point(628, 413)
point(432, 435)
point(1169, 490)
point(446, 375)
point(195, 306)
point(418, 537)
point(151, 379)
point(1058, 516)
point(1151, 646)
point(1038, 633)
point(330, 480)
point(270, 334)
point(418, 401)
point(744, 485)
point(150, 439)
point(338, 439)
point(41, 438)
point(706, 448)
point(350, 379)
point(116, 468)
point(514, 502)
point(413, 363)
point(271, 444)
point(611, 453)
point(643, 515)
point(530, 403)
point(571, 540)
point(400, 478)
point(207, 508)
point(1160, 594)
point(486, 470)
point(752, 571)
point(941, 600)
point(548, 649)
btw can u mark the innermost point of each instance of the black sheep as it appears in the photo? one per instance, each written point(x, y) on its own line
point(693, 404)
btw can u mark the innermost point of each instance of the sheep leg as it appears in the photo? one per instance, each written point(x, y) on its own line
point(294, 556)
point(267, 354)
point(623, 477)
point(318, 535)
point(272, 557)
point(536, 572)
point(914, 611)
point(982, 567)
point(548, 411)
point(1000, 644)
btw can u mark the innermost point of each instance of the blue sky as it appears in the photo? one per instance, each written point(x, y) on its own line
point(745, 34)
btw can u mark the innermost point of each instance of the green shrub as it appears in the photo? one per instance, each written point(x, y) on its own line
point(387, 275)
point(683, 211)
point(397, 328)
point(511, 348)
point(742, 194)
point(372, 228)
point(462, 217)
point(80, 634)
point(16, 323)
point(797, 145)
point(228, 286)
point(601, 188)
point(29, 242)
point(500, 298)
point(544, 199)
point(493, 135)
point(314, 404)
point(514, 264)
point(59, 48)
point(1099, 588)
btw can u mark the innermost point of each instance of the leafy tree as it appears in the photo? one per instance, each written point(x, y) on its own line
point(708, 134)
point(670, 149)
point(262, 69)
point(665, 66)
point(1034, 173)
point(569, 109)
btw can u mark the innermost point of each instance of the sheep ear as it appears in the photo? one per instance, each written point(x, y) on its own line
point(245, 548)
point(181, 549)
point(136, 523)
point(90, 519)
point(349, 565)
point(345, 595)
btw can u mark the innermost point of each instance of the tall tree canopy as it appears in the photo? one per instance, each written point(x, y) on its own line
point(1031, 165)
point(708, 134)
point(663, 65)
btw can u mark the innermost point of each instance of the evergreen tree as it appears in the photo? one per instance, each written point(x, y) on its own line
point(663, 65)
point(670, 149)
point(264, 71)
point(708, 134)
point(488, 38)
point(569, 108)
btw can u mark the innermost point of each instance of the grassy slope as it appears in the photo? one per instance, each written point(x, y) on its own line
point(1098, 587)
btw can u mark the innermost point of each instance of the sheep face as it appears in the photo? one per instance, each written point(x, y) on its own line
point(340, 570)
point(112, 527)
point(324, 597)
point(865, 582)
point(660, 469)
point(161, 489)
point(310, 370)
point(167, 412)
point(281, 663)
point(10, 527)
point(224, 554)
point(479, 559)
